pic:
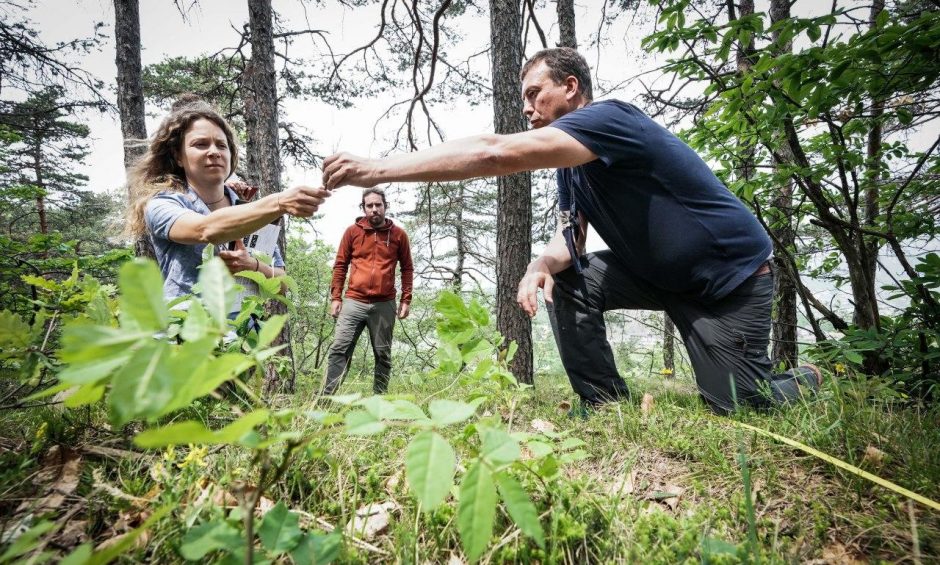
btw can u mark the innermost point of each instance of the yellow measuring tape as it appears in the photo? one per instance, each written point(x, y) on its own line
point(842, 464)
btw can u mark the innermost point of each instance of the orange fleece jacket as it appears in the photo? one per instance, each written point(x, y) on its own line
point(370, 255)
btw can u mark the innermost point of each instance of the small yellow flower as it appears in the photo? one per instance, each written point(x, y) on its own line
point(169, 455)
point(840, 369)
point(41, 431)
point(195, 457)
point(666, 372)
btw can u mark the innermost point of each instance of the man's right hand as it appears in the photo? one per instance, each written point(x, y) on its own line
point(335, 308)
point(302, 201)
point(537, 276)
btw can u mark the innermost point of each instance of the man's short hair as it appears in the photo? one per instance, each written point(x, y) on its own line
point(372, 190)
point(563, 62)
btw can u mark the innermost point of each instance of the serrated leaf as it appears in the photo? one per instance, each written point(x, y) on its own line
point(142, 295)
point(498, 446)
point(476, 510)
point(280, 529)
point(479, 314)
point(447, 412)
point(362, 423)
point(430, 463)
point(520, 507)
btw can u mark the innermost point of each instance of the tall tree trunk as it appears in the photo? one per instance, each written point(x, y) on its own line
point(130, 92)
point(873, 167)
point(669, 344)
point(40, 184)
point(461, 239)
point(514, 199)
point(566, 35)
point(783, 337)
point(259, 84)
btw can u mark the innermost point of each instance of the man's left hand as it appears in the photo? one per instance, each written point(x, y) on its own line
point(403, 309)
point(344, 169)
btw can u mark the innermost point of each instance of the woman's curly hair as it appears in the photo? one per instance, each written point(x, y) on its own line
point(158, 169)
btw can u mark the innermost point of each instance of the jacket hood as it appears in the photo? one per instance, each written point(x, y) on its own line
point(363, 222)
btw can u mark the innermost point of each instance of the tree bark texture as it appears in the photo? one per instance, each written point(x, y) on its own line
point(130, 93)
point(130, 88)
point(566, 34)
point(783, 334)
point(669, 344)
point(514, 200)
point(263, 161)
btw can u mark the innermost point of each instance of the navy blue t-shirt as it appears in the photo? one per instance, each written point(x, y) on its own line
point(657, 205)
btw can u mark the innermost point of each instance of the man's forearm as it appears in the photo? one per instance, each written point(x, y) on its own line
point(555, 257)
point(460, 159)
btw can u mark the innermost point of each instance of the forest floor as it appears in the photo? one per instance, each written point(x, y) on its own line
point(657, 481)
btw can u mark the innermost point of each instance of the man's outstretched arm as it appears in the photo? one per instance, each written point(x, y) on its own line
point(484, 155)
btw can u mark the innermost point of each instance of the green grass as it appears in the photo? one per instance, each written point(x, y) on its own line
point(658, 487)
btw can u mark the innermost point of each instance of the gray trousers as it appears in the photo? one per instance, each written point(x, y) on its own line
point(725, 340)
point(379, 317)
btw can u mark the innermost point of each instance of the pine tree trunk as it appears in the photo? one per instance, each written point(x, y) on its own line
point(566, 35)
point(514, 200)
point(783, 336)
point(130, 92)
point(669, 344)
point(461, 240)
point(263, 167)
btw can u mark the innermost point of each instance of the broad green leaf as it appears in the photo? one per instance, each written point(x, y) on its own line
point(280, 529)
point(377, 406)
point(498, 446)
point(206, 538)
point(217, 290)
point(520, 507)
point(92, 371)
point(317, 549)
point(451, 306)
point(475, 348)
point(479, 314)
point(429, 466)
point(194, 432)
point(197, 323)
point(97, 343)
point(476, 510)
point(406, 410)
point(86, 394)
point(216, 371)
point(142, 295)
point(270, 329)
point(539, 449)
point(362, 423)
point(14, 332)
point(449, 358)
point(447, 412)
point(144, 386)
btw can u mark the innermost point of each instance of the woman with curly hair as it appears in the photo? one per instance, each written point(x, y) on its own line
point(179, 198)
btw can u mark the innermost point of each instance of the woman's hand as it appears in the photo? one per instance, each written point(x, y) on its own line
point(301, 201)
point(239, 259)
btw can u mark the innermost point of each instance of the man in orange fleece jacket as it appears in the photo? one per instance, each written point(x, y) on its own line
point(369, 251)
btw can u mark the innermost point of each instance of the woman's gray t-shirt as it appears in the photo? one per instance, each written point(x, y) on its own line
point(179, 263)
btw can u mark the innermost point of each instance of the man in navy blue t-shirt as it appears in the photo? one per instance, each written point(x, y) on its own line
point(678, 240)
